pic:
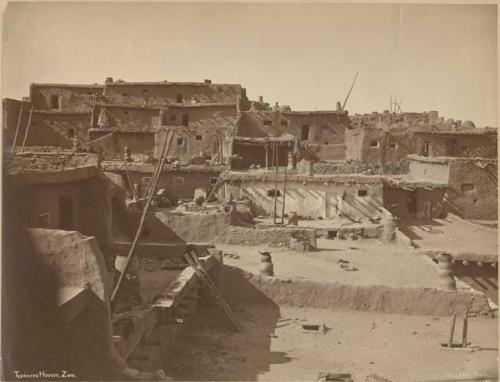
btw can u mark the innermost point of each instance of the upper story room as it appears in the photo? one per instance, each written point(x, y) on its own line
point(318, 127)
point(69, 97)
point(470, 143)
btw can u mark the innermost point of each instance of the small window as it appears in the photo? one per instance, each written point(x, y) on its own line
point(273, 193)
point(54, 101)
point(71, 133)
point(173, 118)
point(180, 141)
point(44, 220)
point(179, 98)
point(213, 181)
point(374, 144)
point(178, 180)
point(220, 89)
point(284, 123)
point(124, 94)
point(393, 145)
point(145, 91)
point(267, 122)
point(185, 119)
point(362, 192)
point(467, 187)
point(305, 132)
point(332, 234)
point(125, 112)
point(199, 137)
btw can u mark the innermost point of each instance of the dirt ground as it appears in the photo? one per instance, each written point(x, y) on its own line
point(273, 346)
point(452, 234)
point(375, 263)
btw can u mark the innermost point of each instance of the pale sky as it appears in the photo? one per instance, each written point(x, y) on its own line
point(435, 57)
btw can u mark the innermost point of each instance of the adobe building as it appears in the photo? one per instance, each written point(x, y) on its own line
point(455, 171)
point(179, 181)
point(382, 149)
point(107, 118)
point(61, 190)
point(354, 197)
point(313, 135)
point(472, 142)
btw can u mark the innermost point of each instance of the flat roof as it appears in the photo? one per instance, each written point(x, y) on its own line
point(269, 176)
point(474, 131)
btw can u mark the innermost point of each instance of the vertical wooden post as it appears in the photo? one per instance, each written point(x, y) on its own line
point(452, 329)
point(275, 179)
point(284, 198)
point(17, 127)
point(465, 328)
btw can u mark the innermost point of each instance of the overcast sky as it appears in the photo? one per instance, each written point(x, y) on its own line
point(435, 57)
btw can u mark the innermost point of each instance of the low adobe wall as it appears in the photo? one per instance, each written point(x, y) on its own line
point(215, 228)
point(377, 298)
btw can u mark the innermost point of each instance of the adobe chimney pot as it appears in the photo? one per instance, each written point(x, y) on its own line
point(109, 80)
point(208, 81)
point(339, 106)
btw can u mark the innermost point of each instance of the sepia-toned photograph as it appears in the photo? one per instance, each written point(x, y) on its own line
point(249, 191)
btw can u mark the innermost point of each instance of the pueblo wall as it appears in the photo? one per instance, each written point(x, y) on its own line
point(77, 98)
point(165, 93)
point(472, 189)
point(315, 197)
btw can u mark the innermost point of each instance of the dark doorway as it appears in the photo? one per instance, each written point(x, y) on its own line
point(66, 218)
point(451, 145)
point(54, 101)
point(425, 149)
point(185, 119)
point(179, 98)
point(412, 203)
point(304, 133)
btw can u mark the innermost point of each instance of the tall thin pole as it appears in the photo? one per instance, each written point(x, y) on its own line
point(17, 127)
point(284, 197)
point(27, 129)
point(275, 178)
point(165, 150)
point(350, 90)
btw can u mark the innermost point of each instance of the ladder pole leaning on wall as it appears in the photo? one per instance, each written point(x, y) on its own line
point(158, 169)
point(17, 128)
point(130, 256)
point(27, 129)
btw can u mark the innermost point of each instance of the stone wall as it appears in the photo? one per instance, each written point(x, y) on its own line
point(164, 93)
point(78, 98)
point(457, 145)
point(472, 189)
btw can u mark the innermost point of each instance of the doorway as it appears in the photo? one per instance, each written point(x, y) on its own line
point(66, 214)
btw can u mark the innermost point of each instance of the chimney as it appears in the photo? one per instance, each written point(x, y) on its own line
point(109, 80)
point(339, 106)
point(208, 81)
point(261, 99)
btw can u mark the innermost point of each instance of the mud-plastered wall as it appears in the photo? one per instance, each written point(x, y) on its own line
point(472, 189)
point(326, 200)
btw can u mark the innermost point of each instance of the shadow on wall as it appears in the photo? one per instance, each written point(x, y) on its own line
point(483, 279)
point(31, 320)
point(210, 350)
point(37, 333)
point(154, 229)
